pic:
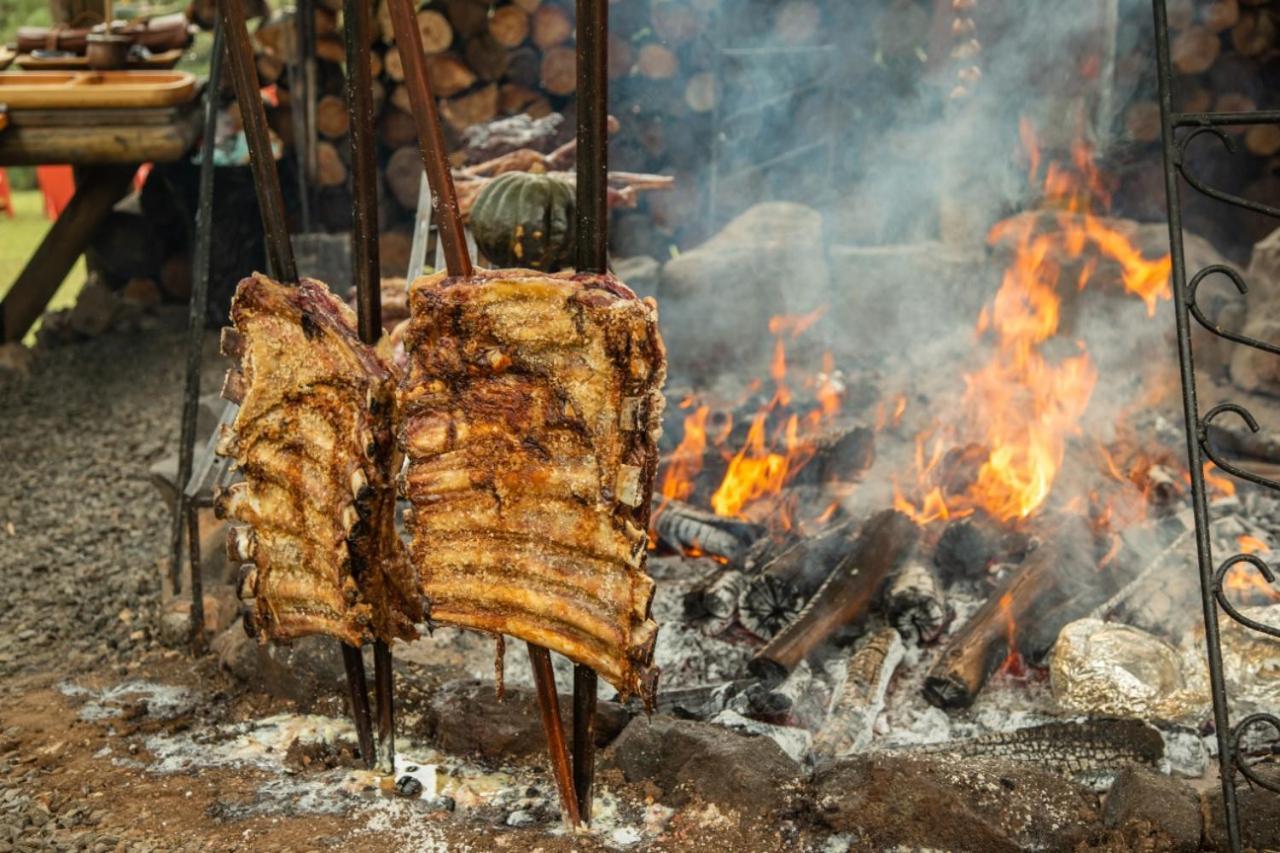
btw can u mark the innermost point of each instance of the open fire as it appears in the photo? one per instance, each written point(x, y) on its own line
point(997, 555)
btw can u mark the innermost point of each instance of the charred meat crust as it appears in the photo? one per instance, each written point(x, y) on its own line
point(530, 416)
point(314, 441)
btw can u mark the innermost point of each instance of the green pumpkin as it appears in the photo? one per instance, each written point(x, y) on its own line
point(523, 219)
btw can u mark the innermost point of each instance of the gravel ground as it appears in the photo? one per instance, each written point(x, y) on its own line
point(83, 530)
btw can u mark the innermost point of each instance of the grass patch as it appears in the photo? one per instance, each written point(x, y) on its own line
point(19, 237)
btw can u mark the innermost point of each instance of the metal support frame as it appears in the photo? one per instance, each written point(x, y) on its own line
point(1179, 130)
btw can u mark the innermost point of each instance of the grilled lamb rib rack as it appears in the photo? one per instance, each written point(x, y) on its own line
point(314, 439)
point(530, 417)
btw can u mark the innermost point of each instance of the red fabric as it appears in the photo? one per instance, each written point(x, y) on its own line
point(140, 177)
point(58, 185)
point(6, 200)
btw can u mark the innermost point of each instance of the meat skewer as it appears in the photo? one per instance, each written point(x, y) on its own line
point(456, 539)
point(367, 271)
point(280, 261)
point(592, 212)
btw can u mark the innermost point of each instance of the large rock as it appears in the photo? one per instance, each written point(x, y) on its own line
point(889, 801)
point(688, 759)
point(716, 299)
point(1259, 811)
point(1251, 369)
point(1163, 812)
point(466, 717)
point(884, 296)
point(305, 670)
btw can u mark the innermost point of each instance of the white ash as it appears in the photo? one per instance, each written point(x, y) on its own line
point(163, 702)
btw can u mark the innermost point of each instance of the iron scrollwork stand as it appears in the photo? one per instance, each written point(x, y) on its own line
point(1195, 125)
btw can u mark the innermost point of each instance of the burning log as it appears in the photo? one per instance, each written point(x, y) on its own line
point(883, 544)
point(1142, 547)
point(915, 604)
point(713, 607)
point(839, 457)
point(776, 595)
point(686, 528)
point(1030, 594)
point(860, 698)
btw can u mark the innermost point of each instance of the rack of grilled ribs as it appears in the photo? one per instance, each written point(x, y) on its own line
point(530, 416)
point(313, 437)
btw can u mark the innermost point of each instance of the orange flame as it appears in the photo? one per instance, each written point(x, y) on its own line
point(1013, 665)
point(1023, 405)
point(766, 462)
point(686, 460)
point(1219, 485)
point(1245, 582)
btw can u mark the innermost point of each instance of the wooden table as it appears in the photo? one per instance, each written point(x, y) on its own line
point(106, 146)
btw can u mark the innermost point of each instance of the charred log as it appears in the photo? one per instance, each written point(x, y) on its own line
point(713, 607)
point(839, 457)
point(685, 528)
point(701, 702)
point(1141, 547)
point(763, 552)
point(800, 701)
point(860, 697)
point(794, 575)
point(883, 544)
point(1034, 591)
point(1080, 747)
point(964, 550)
point(915, 604)
point(767, 605)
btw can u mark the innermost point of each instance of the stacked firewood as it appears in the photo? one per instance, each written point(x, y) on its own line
point(1226, 58)
point(490, 60)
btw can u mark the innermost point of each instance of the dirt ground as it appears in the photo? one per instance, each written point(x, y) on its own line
point(109, 741)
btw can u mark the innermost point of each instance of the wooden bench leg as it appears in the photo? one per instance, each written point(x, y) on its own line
point(99, 189)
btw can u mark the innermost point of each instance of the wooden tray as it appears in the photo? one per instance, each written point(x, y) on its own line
point(155, 62)
point(95, 89)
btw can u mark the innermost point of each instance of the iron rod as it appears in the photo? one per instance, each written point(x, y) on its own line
point(592, 230)
point(430, 138)
point(584, 737)
point(1186, 366)
point(198, 313)
point(366, 272)
point(364, 171)
point(384, 698)
point(544, 678)
point(593, 136)
point(1225, 119)
point(244, 76)
point(358, 693)
point(197, 582)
